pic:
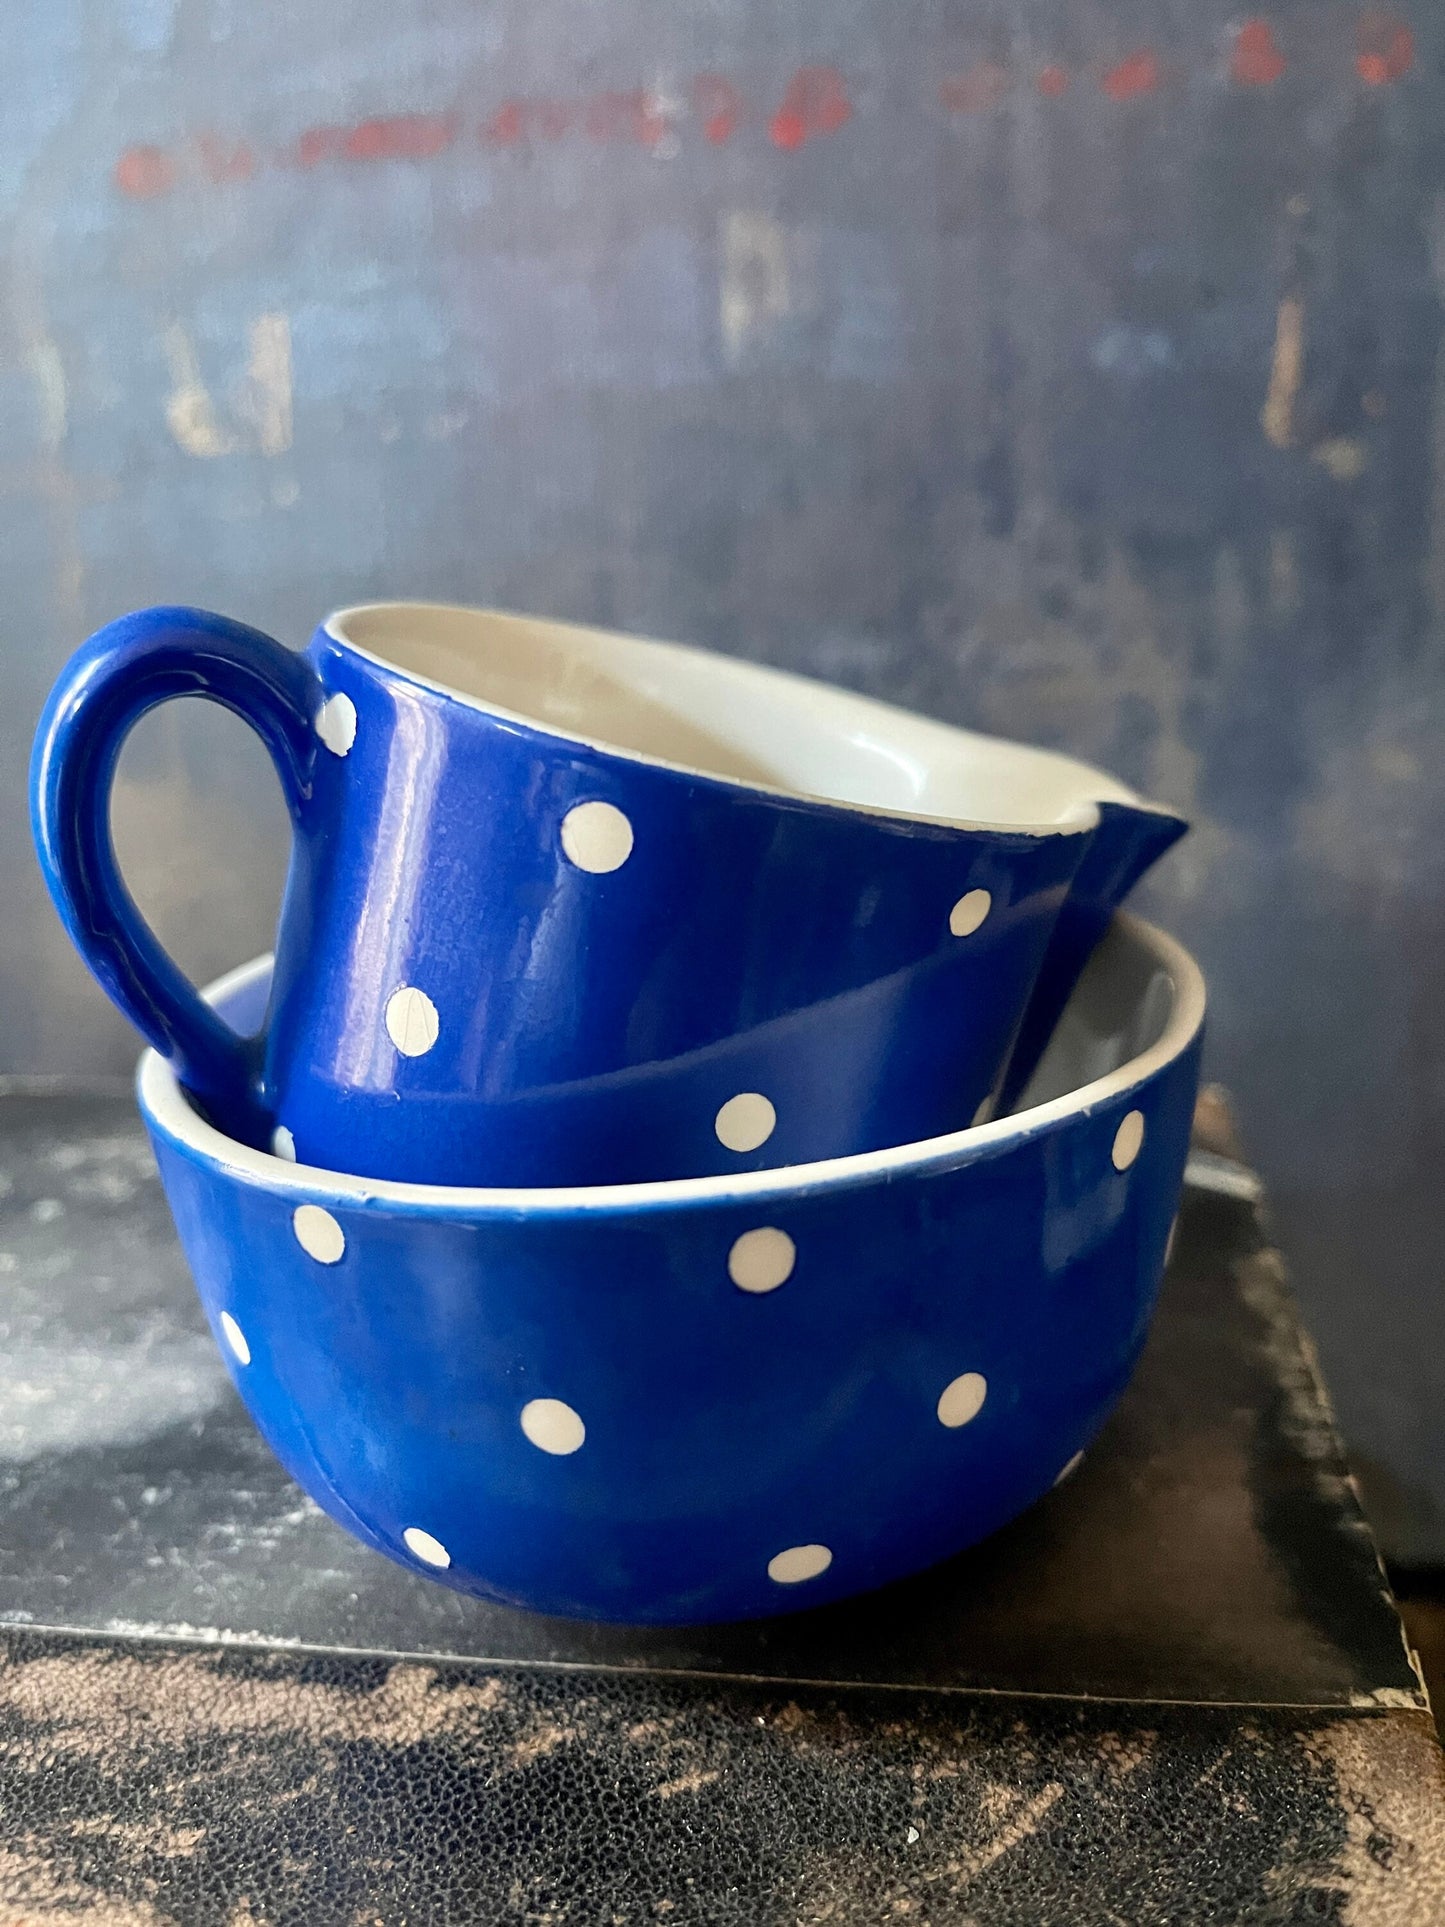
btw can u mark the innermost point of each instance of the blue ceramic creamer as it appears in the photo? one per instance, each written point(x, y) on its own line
point(714, 1398)
point(568, 907)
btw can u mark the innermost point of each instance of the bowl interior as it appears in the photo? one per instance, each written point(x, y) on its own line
point(1122, 1007)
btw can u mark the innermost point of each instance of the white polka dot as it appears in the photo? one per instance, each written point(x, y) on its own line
point(798, 1563)
point(412, 1023)
point(1070, 1469)
point(318, 1233)
point(962, 1399)
point(235, 1338)
point(984, 1113)
point(745, 1121)
point(421, 1545)
point(283, 1145)
point(552, 1426)
point(1127, 1140)
point(596, 837)
point(762, 1260)
point(336, 723)
point(1169, 1247)
point(969, 912)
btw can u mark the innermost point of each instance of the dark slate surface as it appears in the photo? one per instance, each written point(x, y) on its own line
point(1209, 1549)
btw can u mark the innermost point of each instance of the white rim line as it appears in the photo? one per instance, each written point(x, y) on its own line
point(164, 1104)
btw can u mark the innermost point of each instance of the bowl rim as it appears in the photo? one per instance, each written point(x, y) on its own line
point(168, 1114)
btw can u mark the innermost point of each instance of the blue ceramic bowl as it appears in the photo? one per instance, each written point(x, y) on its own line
point(573, 908)
point(717, 1398)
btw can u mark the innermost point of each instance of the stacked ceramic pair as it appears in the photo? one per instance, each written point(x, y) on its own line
point(705, 1145)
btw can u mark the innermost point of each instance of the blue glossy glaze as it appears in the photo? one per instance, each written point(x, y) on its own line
point(578, 1026)
point(124, 670)
point(721, 1427)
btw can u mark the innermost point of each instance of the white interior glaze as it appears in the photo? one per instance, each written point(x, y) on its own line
point(694, 710)
point(1138, 1005)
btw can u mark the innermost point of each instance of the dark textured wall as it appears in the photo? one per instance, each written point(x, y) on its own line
point(1065, 369)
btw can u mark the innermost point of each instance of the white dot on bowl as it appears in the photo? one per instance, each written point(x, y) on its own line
point(412, 1022)
point(235, 1338)
point(745, 1121)
point(318, 1233)
point(1070, 1469)
point(596, 837)
point(962, 1399)
point(421, 1545)
point(1127, 1140)
point(1169, 1247)
point(283, 1145)
point(797, 1563)
point(969, 912)
point(762, 1260)
point(552, 1426)
point(336, 723)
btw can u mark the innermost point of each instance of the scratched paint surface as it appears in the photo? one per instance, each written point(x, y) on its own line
point(146, 1785)
point(1070, 371)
